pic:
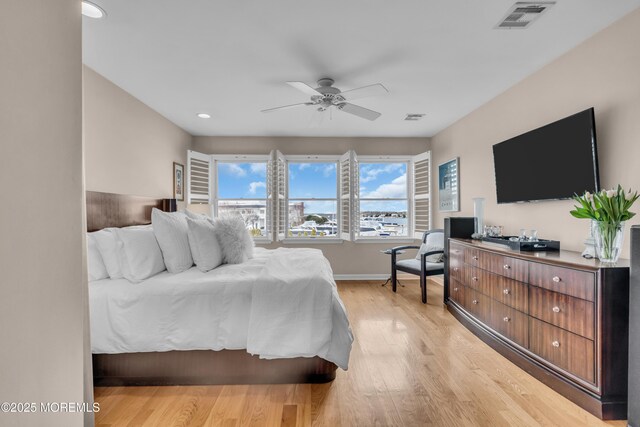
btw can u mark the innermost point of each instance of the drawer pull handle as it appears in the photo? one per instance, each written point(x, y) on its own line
point(455, 289)
point(556, 344)
point(474, 278)
point(506, 292)
point(475, 257)
point(556, 279)
point(455, 268)
point(475, 301)
point(507, 267)
point(556, 309)
point(506, 319)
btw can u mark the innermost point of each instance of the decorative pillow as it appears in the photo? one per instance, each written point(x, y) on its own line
point(95, 265)
point(139, 254)
point(435, 242)
point(170, 229)
point(205, 248)
point(234, 238)
point(106, 241)
point(198, 216)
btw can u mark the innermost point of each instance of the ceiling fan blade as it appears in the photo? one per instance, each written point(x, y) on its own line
point(359, 111)
point(284, 107)
point(303, 87)
point(364, 91)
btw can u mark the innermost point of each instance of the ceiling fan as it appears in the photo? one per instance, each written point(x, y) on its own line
point(326, 96)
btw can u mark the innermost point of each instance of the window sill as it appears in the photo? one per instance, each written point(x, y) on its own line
point(262, 240)
point(379, 240)
point(311, 240)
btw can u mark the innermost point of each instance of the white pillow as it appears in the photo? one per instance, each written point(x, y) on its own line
point(234, 238)
point(170, 229)
point(109, 251)
point(95, 265)
point(198, 216)
point(435, 242)
point(205, 248)
point(139, 254)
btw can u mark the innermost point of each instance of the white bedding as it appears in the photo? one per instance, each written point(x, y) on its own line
point(283, 303)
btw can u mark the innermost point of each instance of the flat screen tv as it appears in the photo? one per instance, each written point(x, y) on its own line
point(553, 162)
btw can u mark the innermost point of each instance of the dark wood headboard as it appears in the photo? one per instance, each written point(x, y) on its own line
point(121, 210)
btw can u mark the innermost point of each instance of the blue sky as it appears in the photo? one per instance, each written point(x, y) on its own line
point(242, 180)
point(381, 181)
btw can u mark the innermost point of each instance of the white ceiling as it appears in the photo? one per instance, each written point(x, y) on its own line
point(231, 58)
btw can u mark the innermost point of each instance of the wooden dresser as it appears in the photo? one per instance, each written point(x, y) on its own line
point(562, 318)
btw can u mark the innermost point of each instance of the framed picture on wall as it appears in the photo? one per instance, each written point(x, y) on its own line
point(178, 181)
point(448, 186)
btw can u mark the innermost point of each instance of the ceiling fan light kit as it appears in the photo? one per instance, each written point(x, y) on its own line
point(326, 96)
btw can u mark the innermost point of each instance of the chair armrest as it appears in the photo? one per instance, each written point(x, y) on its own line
point(423, 259)
point(401, 248)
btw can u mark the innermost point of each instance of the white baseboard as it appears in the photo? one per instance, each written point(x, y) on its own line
point(360, 276)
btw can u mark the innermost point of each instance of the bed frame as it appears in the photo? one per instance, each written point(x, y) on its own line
point(185, 367)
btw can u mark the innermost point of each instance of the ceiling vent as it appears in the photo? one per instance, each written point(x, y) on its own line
point(414, 117)
point(522, 14)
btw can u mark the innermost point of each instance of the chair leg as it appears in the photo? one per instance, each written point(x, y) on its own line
point(394, 280)
point(423, 288)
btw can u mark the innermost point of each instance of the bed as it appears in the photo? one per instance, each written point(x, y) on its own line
point(275, 319)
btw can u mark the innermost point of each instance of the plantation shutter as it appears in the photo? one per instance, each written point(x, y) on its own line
point(280, 204)
point(355, 197)
point(199, 172)
point(349, 207)
point(421, 167)
point(270, 225)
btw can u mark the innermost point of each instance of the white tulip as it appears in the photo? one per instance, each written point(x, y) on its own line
point(611, 193)
point(588, 196)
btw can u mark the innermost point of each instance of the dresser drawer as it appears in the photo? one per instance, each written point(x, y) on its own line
point(472, 256)
point(477, 304)
point(573, 314)
point(579, 284)
point(510, 323)
point(478, 279)
point(456, 292)
point(568, 351)
point(456, 251)
point(505, 266)
point(455, 269)
point(510, 292)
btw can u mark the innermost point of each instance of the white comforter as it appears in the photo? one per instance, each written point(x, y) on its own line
point(283, 303)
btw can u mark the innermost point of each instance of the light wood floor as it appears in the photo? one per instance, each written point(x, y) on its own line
point(411, 365)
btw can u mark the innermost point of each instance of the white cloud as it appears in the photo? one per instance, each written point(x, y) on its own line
point(232, 169)
point(328, 170)
point(395, 190)
point(259, 168)
point(303, 166)
point(369, 173)
point(253, 186)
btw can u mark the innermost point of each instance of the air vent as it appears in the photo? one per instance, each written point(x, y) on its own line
point(414, 117)
point(523, 14)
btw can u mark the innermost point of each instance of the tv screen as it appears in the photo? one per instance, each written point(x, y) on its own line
point(555, 161)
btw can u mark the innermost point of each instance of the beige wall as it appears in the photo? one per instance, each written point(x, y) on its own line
point(603, 72)
point(346, 258)
point(43, 285)
point(130, 148)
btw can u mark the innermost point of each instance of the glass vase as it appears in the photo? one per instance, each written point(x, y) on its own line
point(608, 239)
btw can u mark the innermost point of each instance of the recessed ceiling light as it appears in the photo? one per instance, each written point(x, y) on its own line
point(91, 10)
point(204, 115)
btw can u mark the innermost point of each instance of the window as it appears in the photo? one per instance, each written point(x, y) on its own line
point(280, 197)
point(242, 189)
point(312, 199)
point(384, 202)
